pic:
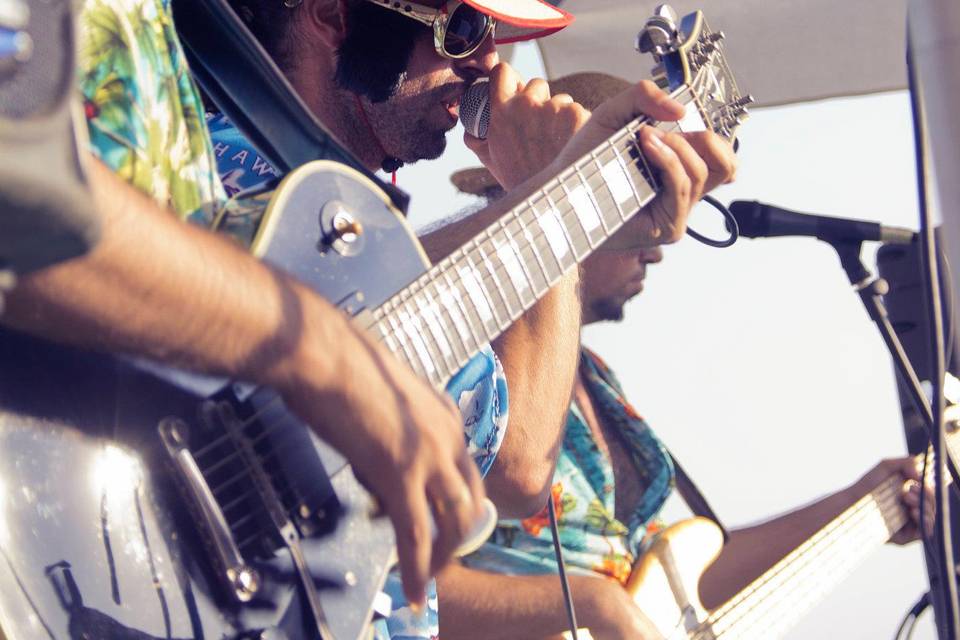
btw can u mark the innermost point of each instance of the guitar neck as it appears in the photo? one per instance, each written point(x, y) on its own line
point(776, 600)
point(466, 300)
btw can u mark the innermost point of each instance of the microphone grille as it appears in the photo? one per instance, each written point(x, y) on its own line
point(475, 109)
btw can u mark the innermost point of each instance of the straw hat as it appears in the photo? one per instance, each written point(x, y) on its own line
point(589, 89)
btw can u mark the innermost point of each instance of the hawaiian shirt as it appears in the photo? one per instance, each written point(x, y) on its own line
point(583, 495)
point(147, 123)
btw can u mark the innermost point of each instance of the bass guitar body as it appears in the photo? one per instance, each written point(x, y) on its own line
point(140, 503)
point(665, 581)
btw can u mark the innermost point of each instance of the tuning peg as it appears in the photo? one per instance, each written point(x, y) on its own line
point(659, 34)
point(739, 105)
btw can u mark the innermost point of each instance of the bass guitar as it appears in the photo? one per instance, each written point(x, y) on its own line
point(664, 582)
point(137, 503)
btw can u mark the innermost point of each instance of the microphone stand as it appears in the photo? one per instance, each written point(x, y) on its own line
point(870, 290)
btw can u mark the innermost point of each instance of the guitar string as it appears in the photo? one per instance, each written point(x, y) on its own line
point(852, 520)
point(809, 584)
point(765, 612)
point(479, 253)
point(817, 547)
point(628, 134)
point(501, 271)
point(880, 495)
point(625, 135)
point(762, 600)
point(886, 506)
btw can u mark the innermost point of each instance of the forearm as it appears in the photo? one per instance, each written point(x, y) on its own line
point(157, 287)
point(539, 356)
point(753, 550)
point(482, 605)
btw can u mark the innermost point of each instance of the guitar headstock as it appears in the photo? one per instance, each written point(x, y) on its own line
point(689, 53)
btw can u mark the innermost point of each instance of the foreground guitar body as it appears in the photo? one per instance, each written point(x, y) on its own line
point(95, 538)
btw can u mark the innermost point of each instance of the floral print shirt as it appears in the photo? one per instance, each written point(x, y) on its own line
point(147, 123)
point(583, 495)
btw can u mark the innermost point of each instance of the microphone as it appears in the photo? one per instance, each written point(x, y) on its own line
point(759, 220)
point(475, 109)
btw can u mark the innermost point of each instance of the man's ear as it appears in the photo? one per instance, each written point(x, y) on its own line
point(323, 20)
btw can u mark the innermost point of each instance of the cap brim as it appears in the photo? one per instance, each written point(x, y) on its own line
point(522, 19)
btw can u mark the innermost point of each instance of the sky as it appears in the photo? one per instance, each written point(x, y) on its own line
point(757, 364)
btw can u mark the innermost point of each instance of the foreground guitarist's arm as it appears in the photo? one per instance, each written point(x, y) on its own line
point(478, 605)
point(162, 288)
point(753, 550)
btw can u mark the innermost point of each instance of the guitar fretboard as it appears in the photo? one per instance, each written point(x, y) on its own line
point(439, 322)
point(776, 600)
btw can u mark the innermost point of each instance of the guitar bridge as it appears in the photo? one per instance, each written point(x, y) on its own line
point(251, 476)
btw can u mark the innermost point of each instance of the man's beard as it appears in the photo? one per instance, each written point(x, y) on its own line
point(404, 125)
point(608, 309)
point(398, 121)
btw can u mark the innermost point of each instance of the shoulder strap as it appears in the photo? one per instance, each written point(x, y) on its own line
point(694, 498)
point(241, 78)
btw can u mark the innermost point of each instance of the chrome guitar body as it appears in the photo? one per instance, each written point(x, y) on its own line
point(105, 527)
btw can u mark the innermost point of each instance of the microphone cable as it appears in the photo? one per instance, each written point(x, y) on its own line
point(562, 569)
point(732, 227)
point(944, 543)
point(909, 623)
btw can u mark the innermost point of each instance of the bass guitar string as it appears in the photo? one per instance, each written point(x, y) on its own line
point(885, 498)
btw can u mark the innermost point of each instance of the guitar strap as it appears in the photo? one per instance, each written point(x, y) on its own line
point(694, 498)
point(236, 72)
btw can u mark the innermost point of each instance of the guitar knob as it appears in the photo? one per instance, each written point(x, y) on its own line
point(346, 227)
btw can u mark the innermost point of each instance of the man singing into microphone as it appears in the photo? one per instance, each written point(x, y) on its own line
point(387, 83)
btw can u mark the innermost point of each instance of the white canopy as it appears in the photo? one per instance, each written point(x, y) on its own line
point(781, 51)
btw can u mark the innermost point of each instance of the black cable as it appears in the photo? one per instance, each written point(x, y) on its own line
point(562, 570)
point(731, 223)
point(943, 538)
point(909, 623)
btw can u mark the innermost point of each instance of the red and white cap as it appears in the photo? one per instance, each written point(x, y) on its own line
point(522, 19)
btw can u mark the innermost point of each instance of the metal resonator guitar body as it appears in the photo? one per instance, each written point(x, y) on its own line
point(137, 503)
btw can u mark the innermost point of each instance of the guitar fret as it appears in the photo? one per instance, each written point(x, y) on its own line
point(512, 311)
point(552, 232)
point(778, 597)
point(591, 205)
point(579, 199)
point(608, 228)
point(453, 292)
point(613, 189)
point(616, 180)
point(624, 166)
point(513, 262)
point(462, 303)
point(402, 340)
point(486, 290)
point(428, 310)
point(409, 325)
point(480, 304)
point(524, 231)
point(455, 323)
point(432, 350)
point(639, 161)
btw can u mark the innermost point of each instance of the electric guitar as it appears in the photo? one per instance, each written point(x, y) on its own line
point(144, 503)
